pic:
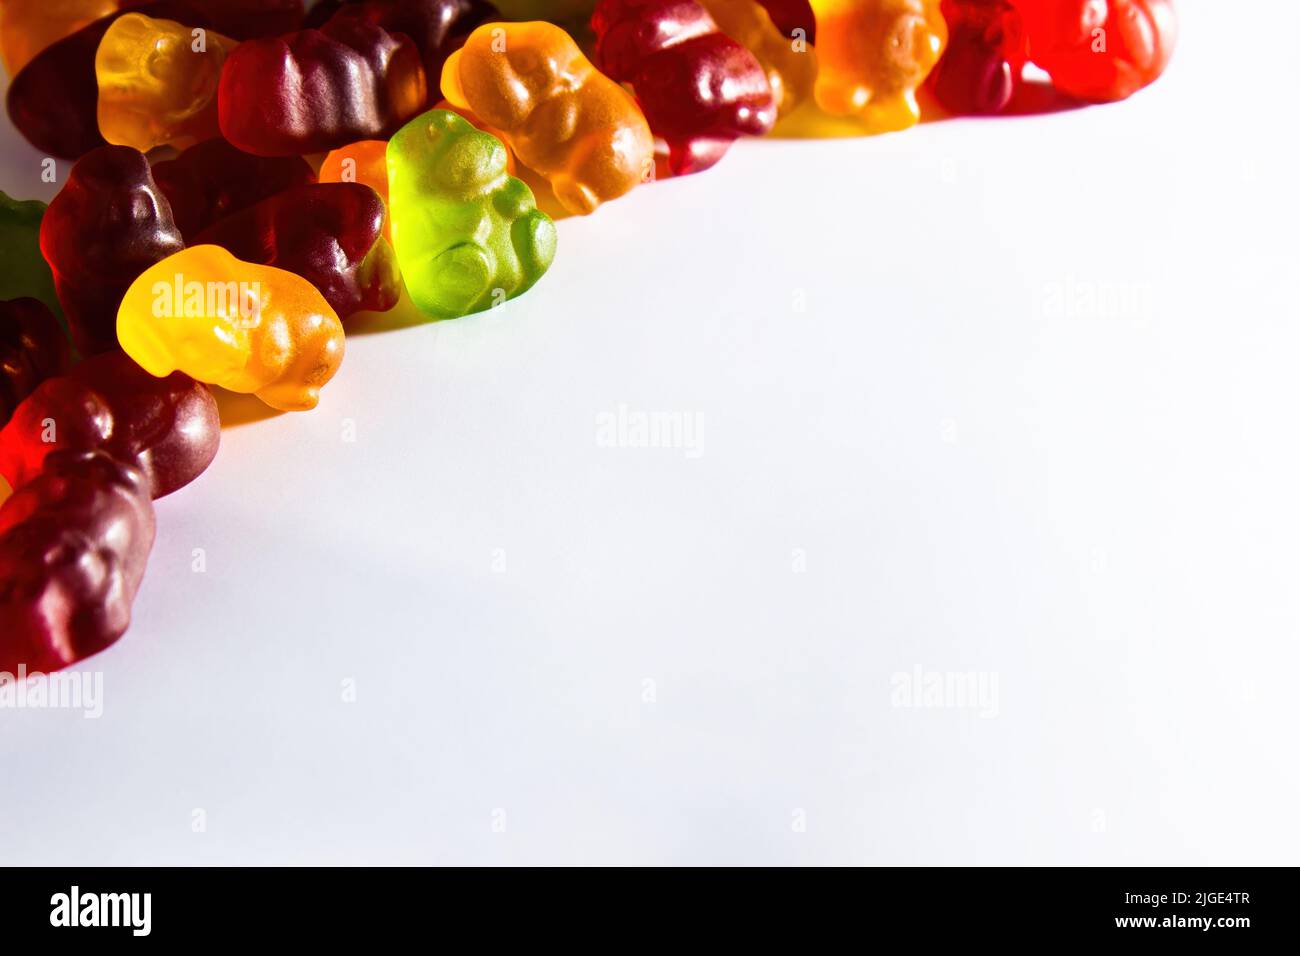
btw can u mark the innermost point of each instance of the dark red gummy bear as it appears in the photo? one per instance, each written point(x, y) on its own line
point(107, 224)
point(33, 347)
point(54, 99)
point(700, 90)
point(212, 180)
point(169, 427)
point(331, 234)
point(438, 27)
point(981, 68)
point(73, 546)
point(316, 90)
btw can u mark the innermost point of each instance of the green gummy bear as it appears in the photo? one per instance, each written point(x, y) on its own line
point(468, 235)
point(23, 270)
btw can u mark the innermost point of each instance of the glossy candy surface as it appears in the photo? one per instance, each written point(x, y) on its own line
point(28, 26)
point(364, 162)
point(873, 54)
point(981, 69)
point(213, 180)
point(243, 326)
point(158, 82)
point(168, 427)
point(316, 90)
point(74, 542)
point(475, 120)
point(564, 119)
point(33, 347)
point(700, 89)
point(468, 235)
point(1100, 50)
point(437, 27)
point(54, 99)
point(791, 68)
point(107, 224)
point(23, 270)
point(331, 234)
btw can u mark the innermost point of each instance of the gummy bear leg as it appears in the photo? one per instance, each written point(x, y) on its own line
point(577, 197)
point(889, 114)
point(534, 238)
point(454, 282)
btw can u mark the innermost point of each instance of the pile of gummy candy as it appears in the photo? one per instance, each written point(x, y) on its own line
point(249, 175)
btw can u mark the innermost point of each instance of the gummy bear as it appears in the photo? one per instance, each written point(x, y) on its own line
point(564, 119)
point(33, 347)
point(791, 70)
point(54, 99)
point(468, 235)
point(107, 224)
point(74, 542)
point(169, 427)
point(331, 234)
point(981, 69)
point(28, 26)
point(239, 325)
point(316, 90)
point(699, 88)
point(213, 180)
point(23, 270)
point(1100, 50)
point(873, 54)
point(437, 27)
point(158, 82)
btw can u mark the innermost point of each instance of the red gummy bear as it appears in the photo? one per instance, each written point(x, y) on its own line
point(316, 90)
point(1100, 50)
point(700, 90)
point(212, 180)
point(437, 27)
point(33, 347)
point(331, 234)
point(107, 224)
point(168, 428)
point(981, 69)
point(73, 546)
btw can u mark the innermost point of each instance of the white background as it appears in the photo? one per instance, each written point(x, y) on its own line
point(1095, 505)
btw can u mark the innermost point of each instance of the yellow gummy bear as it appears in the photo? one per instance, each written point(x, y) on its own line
point(873, 54)
point(242, 326)
point(158, 82)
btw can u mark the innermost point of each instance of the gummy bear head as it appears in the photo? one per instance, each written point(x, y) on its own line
point(507, 70)
point(449, 155)
point(906, 41)
point(109, 216)
point(154, 75)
